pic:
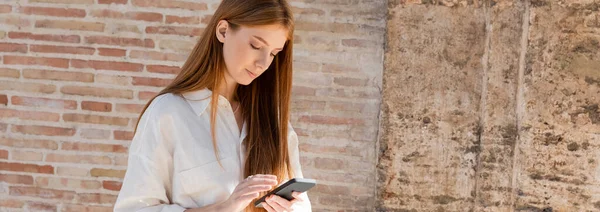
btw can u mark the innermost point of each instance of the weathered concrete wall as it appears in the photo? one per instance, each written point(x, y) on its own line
point(490, 106)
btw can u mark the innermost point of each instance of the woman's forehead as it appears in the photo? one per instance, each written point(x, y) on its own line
point(274, 35)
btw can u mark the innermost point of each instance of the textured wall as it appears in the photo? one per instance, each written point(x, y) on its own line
point(76, 73)
point(490, 106)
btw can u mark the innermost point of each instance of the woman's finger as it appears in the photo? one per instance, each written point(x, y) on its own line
point(267, 207)
point(254, 189)
point(296, 196)
point(248, 197)
point(278, 203)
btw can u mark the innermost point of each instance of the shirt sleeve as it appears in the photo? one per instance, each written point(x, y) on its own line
point(147, 183)
point(294, 153)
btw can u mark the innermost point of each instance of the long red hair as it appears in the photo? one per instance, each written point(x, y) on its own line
point(265, 102)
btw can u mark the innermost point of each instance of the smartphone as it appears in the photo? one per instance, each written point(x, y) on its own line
point(285, 190)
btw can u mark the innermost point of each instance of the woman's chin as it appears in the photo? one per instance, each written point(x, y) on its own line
point(245, 82)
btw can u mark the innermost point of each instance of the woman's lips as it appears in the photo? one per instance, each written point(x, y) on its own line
point(251, 74)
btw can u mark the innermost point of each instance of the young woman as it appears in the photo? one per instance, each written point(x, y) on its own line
point(218, 137)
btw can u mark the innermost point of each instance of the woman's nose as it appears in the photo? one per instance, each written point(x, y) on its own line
point(262, 63)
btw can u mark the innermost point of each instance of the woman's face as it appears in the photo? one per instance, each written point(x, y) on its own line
point(249, 51)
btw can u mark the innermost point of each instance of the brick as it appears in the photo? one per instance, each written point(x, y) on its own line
point(107, 65)
point(328, 150)
point(330, 163)
point(349, 81)
point(88, 147)
point(8, 72)
point(206, 19)
point(186, 5)
point(27, 87)
point(14, 20)
point(2, 34)
point(22, 167)
point(41, 206)
point(130, 108)
point(338, 68)
point(42, 61)
point(174, 30)
point(62, 183)
point(70, 25)
point(145, 16)
point(146, 95)
point(163, 69)
point(361, 43)
point(328, 120)
point(3, 100)
point(339, 189)
point(58, 75)
point(149, 81)
point(63, 1)
point(95, 119)
point(118, 41)
point(121, 160)
point(126, 28)
point(112, 52)
point(45, 37)
point(111, 79)
point(299, 104)
point(5, 8)
point(79, 208)
point(112, 185)
point(98, 172)
point(140, 16)
point(95, 91)
point(62, 49)
point(43, 130)
point(307, 11)
point(13, 47)
point(3, 128)
point(72, 171)
point(28, 143)
point(16, 179)
point(112, 1)
point(96, 106)
point(97, 198)
point(50, 11)
point(85, 159)
point(94, 133)
point(41, 192)
point(171, 19)
point(30, 115)
point(3, 154)
point(303, 91)
point(341, 28)
point(44, 102)
point(176, 45)
point(162, 56)
point(123, 135)
point(11, 203)
point(26, 156)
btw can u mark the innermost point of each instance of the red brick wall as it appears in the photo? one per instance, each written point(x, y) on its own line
point(76, 73)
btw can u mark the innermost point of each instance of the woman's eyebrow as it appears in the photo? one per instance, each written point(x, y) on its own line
point(264, 41)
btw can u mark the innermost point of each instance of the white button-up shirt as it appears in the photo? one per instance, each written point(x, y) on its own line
point(172, 164)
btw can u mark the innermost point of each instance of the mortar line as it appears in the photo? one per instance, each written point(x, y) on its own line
point(483, 101)
point(377, 203)
point(519, 106)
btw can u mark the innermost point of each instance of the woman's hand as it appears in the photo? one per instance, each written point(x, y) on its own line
point(276, 203)
point(248, 190)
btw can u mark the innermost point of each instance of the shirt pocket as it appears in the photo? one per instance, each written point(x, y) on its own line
point(211, 183)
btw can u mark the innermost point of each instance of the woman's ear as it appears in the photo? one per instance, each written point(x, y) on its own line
point(221, 30)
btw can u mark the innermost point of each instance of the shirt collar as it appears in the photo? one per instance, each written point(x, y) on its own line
point(198, 100)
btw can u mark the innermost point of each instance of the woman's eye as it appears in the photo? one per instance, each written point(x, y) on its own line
point(254, 47)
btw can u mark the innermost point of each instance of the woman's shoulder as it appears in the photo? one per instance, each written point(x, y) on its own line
point(166, 104)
